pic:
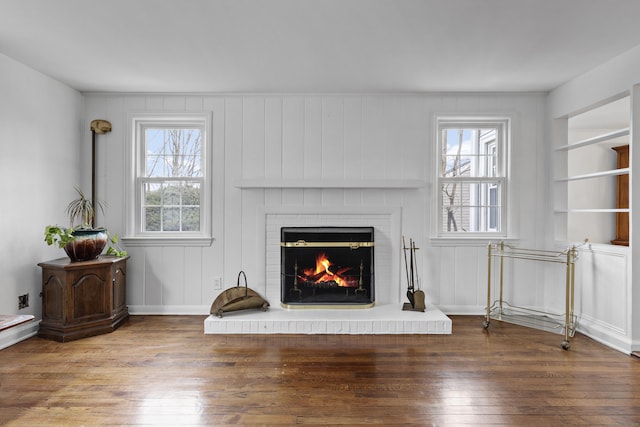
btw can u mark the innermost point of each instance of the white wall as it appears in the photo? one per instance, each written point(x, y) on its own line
point(39, 167)
point(608, 293)
point(322, 138)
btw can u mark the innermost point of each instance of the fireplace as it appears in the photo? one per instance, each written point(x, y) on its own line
point(327, 267)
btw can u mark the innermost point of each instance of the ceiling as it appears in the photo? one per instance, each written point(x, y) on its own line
point(316, 45)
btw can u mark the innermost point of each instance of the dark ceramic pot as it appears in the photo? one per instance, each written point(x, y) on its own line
point(87, 245)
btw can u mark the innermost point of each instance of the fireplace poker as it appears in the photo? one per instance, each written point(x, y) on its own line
point(415, 264)
point(411, 286)
point(406, 267)
point(418, 296)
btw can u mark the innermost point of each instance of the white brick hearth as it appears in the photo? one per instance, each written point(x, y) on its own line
point(383, 319)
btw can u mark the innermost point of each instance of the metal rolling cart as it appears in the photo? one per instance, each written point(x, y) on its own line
point(503, 311)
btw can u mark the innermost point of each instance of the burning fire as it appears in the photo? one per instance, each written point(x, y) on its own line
point(322, 274)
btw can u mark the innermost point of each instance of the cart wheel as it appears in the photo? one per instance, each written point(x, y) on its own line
point(485, 324)
point(566, 345)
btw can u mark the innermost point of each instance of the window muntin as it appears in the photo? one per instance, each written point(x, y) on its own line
point(471, 177)
point(171, 183)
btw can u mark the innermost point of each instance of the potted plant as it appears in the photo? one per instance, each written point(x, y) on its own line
point(81, 241)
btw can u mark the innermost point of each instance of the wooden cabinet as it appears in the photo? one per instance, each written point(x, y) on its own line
point(622, 198)
point(82, 299)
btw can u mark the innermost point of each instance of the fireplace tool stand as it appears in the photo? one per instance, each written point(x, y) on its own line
point(416, 297)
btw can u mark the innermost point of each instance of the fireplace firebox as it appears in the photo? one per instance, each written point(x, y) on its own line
point(327, 267)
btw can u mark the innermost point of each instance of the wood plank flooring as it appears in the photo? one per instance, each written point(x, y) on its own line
point(162, 370)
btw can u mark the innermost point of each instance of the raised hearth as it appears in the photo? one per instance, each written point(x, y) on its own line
point(387, 319)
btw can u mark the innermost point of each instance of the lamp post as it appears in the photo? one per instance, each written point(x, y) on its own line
point(97, 127)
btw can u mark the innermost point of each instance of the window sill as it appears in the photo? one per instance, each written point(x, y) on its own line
point(166, 241)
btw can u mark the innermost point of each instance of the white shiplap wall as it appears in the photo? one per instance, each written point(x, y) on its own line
point(321, 139)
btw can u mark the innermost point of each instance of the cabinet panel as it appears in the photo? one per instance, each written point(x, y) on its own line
point(52, 304)
point(119, 290)
point(88, 296)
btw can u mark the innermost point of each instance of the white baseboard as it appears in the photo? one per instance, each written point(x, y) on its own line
point(15, 334)
point(606, 335)
point(177, 310)
point(463, 310)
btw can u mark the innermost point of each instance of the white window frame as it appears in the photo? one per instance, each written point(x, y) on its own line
point(135, 235)
point(503, 125)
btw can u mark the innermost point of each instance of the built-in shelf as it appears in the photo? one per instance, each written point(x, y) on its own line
point(330, 183)
point(612, 172)
point(591, 210)
point(595, 140)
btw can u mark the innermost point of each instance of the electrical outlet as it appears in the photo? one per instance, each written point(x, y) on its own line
point(23, 301)
point(217, 283)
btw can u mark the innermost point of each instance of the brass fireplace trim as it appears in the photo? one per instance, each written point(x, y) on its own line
point(327, 306)
point(305, 244)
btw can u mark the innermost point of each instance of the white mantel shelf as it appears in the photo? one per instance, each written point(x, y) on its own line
point(330, 183)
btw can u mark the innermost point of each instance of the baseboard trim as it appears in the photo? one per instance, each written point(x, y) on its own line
point(21, 332)
point(169, 310)
point(608, 336)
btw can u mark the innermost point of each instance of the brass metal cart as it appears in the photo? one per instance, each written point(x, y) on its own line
point(503, 311)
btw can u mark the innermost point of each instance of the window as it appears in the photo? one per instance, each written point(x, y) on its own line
point(170, 181)
point(471, 177)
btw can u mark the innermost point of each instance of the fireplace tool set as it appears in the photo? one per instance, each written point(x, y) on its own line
point(238, 298)
point(416, 297)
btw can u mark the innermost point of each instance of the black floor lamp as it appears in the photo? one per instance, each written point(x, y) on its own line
point(97, 127)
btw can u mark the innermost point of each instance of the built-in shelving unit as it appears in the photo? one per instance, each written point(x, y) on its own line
point(587, 176)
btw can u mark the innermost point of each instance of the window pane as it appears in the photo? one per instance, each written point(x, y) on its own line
point(172, 206)
point(171, 195)
point(493, 207)
point(152, 194)
point(191, 194)
point(173, 152)
point(152, 219)
point(458, 166)
point(470, 207)
point(469, 152)
point(191, 219)
point(171, 219)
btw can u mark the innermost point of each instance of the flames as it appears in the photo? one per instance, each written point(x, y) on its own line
point(327, 275)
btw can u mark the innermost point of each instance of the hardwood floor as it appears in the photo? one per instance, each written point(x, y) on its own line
point(162, 370)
